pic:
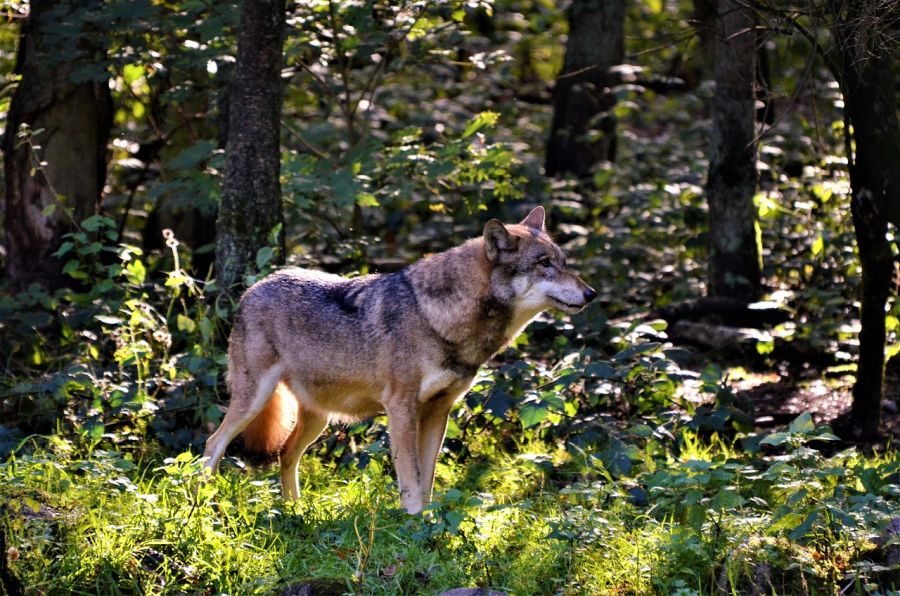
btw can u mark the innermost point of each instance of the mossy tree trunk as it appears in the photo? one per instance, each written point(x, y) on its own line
point(70, 124)
point(583, 132)
point(251, 203)
point(734, 252)
point(865, 74)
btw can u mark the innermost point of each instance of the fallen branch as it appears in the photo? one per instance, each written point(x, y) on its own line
point(744, 342)
point(723, 311)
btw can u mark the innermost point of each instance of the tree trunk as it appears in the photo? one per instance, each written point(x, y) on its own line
point(765, 112)
point(867, 83)
point(734, 252)
point(583, 131)
point(70, 124)
point(251, 197)
point(703, 20)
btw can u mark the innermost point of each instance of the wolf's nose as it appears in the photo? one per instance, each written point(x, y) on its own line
point(589, 294)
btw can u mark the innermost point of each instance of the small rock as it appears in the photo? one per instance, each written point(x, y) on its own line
point(317, 587)
point(891, 551)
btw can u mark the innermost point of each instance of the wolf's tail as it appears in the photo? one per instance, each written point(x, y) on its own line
point(265, 437)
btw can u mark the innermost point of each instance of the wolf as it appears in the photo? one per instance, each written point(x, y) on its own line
point(309, 347)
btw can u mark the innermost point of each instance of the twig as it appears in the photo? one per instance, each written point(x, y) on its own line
point(312, 148)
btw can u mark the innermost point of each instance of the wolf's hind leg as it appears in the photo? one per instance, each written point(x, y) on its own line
point(310, 425)
point(249, 395)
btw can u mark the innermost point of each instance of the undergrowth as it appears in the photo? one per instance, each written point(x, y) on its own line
point(701, 516)
point(580, 463)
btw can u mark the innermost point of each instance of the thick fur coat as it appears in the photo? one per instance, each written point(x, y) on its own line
point(309, 347)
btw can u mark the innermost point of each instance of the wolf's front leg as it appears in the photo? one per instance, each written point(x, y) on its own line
point(402, 428)
point(432, 427)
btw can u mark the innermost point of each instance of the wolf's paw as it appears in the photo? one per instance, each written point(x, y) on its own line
point(413, 504)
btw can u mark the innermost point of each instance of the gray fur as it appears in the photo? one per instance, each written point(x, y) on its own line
point(408, 343)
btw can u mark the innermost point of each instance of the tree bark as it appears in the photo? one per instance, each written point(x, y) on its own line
point(251, 196)
point(734, 252)
point(703, 19)
point(583, 132)
point(70, 124)
point(866, 79)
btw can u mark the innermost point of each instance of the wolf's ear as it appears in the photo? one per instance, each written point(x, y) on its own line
point(497, 239)
point(535, 219)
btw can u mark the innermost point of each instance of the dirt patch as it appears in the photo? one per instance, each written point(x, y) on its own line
point(774, 399)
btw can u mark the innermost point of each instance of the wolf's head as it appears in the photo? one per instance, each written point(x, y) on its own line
point(529, 269)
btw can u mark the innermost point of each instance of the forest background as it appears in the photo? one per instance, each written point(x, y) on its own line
point(723, 172)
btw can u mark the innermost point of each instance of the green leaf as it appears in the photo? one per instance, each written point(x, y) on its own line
point(765, 345)
point(499, 402)
point(776, 439)
point(264, 256)
point(176, 278)
point(695, 515)
point(453, 495)
point(800, 531)
point(71, 268)
point(600, 370)
point(692, 497)
point(95, 222)
point(818, 245)
point(136, 272)
point(481, 120)
point(206, 328)
point(132, 72)
point(366, 199)
point(186, 324)
point(192, 156)
point(642, 430)
point(533, 414)
point(797, 497)
point(822, 192)
point(636, 350)
point(802, 424)
point(727, 498)
point(63, 249)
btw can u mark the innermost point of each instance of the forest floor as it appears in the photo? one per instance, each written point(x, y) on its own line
point(779, 394)
point(557, 493)
point(778, 399)
point(702, 516)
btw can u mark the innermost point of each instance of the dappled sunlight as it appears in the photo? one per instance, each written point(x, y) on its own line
point(627, 271)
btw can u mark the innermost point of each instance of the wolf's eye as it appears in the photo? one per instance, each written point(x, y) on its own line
point(545, 262)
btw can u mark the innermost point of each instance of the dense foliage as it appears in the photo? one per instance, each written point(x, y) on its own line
point(594, 455)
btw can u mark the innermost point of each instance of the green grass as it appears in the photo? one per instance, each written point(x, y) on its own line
point(535, 522)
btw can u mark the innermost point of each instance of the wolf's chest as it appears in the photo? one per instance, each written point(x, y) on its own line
point(438, 381)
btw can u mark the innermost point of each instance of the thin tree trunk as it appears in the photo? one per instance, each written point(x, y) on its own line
point(867, 82)
point(703, 19)
point(251, 197)
point(583, 132)
point(734, 252)
point(70, 123)
point(766, 112)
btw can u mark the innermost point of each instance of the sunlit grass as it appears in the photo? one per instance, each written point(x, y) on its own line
point(532, 522)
